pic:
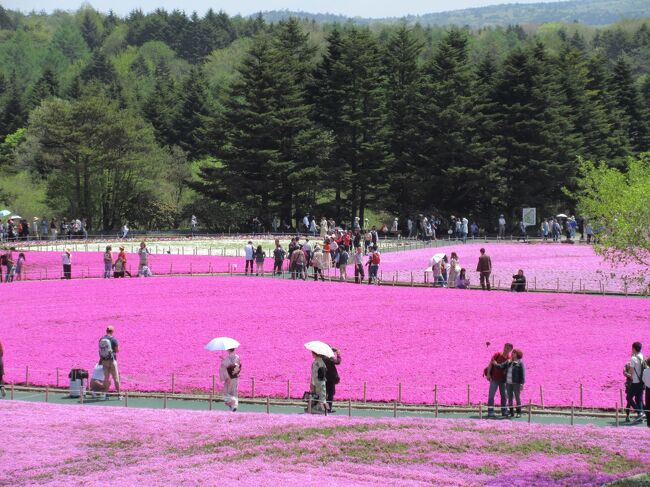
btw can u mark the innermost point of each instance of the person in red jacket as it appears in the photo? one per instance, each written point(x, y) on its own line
point(497, 378)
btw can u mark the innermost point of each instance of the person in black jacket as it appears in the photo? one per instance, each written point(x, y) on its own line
point(332, 377)
point(518, 282)
point(515, 379)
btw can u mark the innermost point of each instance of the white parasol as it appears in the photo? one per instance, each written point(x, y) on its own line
point(222, 343)
point(320, 348)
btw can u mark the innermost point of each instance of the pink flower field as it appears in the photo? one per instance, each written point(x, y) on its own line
point(546, 265)
point(419, 337)
point(118, 446)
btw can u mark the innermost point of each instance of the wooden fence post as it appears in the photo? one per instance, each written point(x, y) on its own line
point(399, 392)
point(288, 388)
point(173, 383)
point(253, 387)
point(572, 407)
point(469, 402)
point(365, 389)
point(268, 405)
point(530, 410)
point(581, 396)
point(616, 409)
point(541, 396)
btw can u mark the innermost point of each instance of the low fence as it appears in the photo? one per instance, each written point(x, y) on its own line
point(580, 396)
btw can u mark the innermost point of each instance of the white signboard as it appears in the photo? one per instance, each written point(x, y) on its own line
point(529, 217)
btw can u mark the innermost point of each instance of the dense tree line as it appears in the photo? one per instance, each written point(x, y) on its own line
point(153, 117)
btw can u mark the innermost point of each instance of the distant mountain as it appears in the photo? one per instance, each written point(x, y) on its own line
point(590, 12)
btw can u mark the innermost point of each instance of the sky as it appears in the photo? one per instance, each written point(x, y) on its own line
point(362, 8)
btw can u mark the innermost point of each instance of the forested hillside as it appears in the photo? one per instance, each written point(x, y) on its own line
point(590, 12)
point(153, 117)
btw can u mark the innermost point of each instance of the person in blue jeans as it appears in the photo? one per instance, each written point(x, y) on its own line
point(497, 378)
point(635, 374)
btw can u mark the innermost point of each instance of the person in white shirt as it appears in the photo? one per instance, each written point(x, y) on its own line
point(502, 227)
point(66, 259)
point(97, 382)
point(305, 222)
point(249, 251)
point(125, 231)
point(635, 392)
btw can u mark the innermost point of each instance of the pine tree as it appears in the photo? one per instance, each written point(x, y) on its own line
point(46, 86)
point(14, 115)
point(99, 69)
point(403, 79)
point(193, 115)
point(160, 107)
point(90, 30)
point(628, 100)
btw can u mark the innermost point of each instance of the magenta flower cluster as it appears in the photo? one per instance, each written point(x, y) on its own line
point(421, 338)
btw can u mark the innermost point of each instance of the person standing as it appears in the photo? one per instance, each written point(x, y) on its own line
point(344, 257)
point(143, 265)
point(193, 224)
point(497, 377)
point(502, 227)
point(318, 383)
point(298, 264)
point(323, 227)
point(332, 377)
point(589, 230)
point(317, 263)
point(484, 268)
point(66, 259)
point(646, 383)
point(108, 350)
point(229, 375)
point(20, 267)
point(454, 269)
point(464, 229)
point(359, 275)
point(636, 374)
point(260, 255)
point(108, 262)
point(2, 371)
point(9, 265)
point(249, 252)
point(125, 231)
point(545, 230)
point(515, 379)
point(278, 258)
point(394, 230)
point(374, 259)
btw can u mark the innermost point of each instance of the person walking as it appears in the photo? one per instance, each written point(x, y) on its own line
point(635, 394)
point(260, 255)
point(66, 259)
point(497, 378)
point(143, 266)
point(332, 377)
point(125, 230)
point(108, 262)
point(229, 375)
point(484, 268)
point(108, 350)
point(323, 227)
point(249, 252)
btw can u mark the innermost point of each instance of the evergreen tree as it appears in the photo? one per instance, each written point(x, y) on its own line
point(45, 87)
point(193, 115)
point(403, 80)
point(529, 139)
point(90, 30)
point(14, 115)
point(628, 100)
point(99, 69)
point(160, 107)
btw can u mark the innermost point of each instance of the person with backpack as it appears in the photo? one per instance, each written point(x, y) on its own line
point(108, 350)
point(374, 259)
point(229, 374)
point(635, 394)
point(332, 377)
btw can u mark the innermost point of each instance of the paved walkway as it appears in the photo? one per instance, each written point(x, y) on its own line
point(202, 405)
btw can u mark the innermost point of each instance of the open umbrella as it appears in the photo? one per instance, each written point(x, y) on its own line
point(16, 217)
point(320, 348)
point(561, 215)
point(434, 260)
point(222, 343)
point(4, 213)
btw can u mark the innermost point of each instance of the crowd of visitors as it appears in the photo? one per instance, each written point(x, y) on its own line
point(20, 229)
